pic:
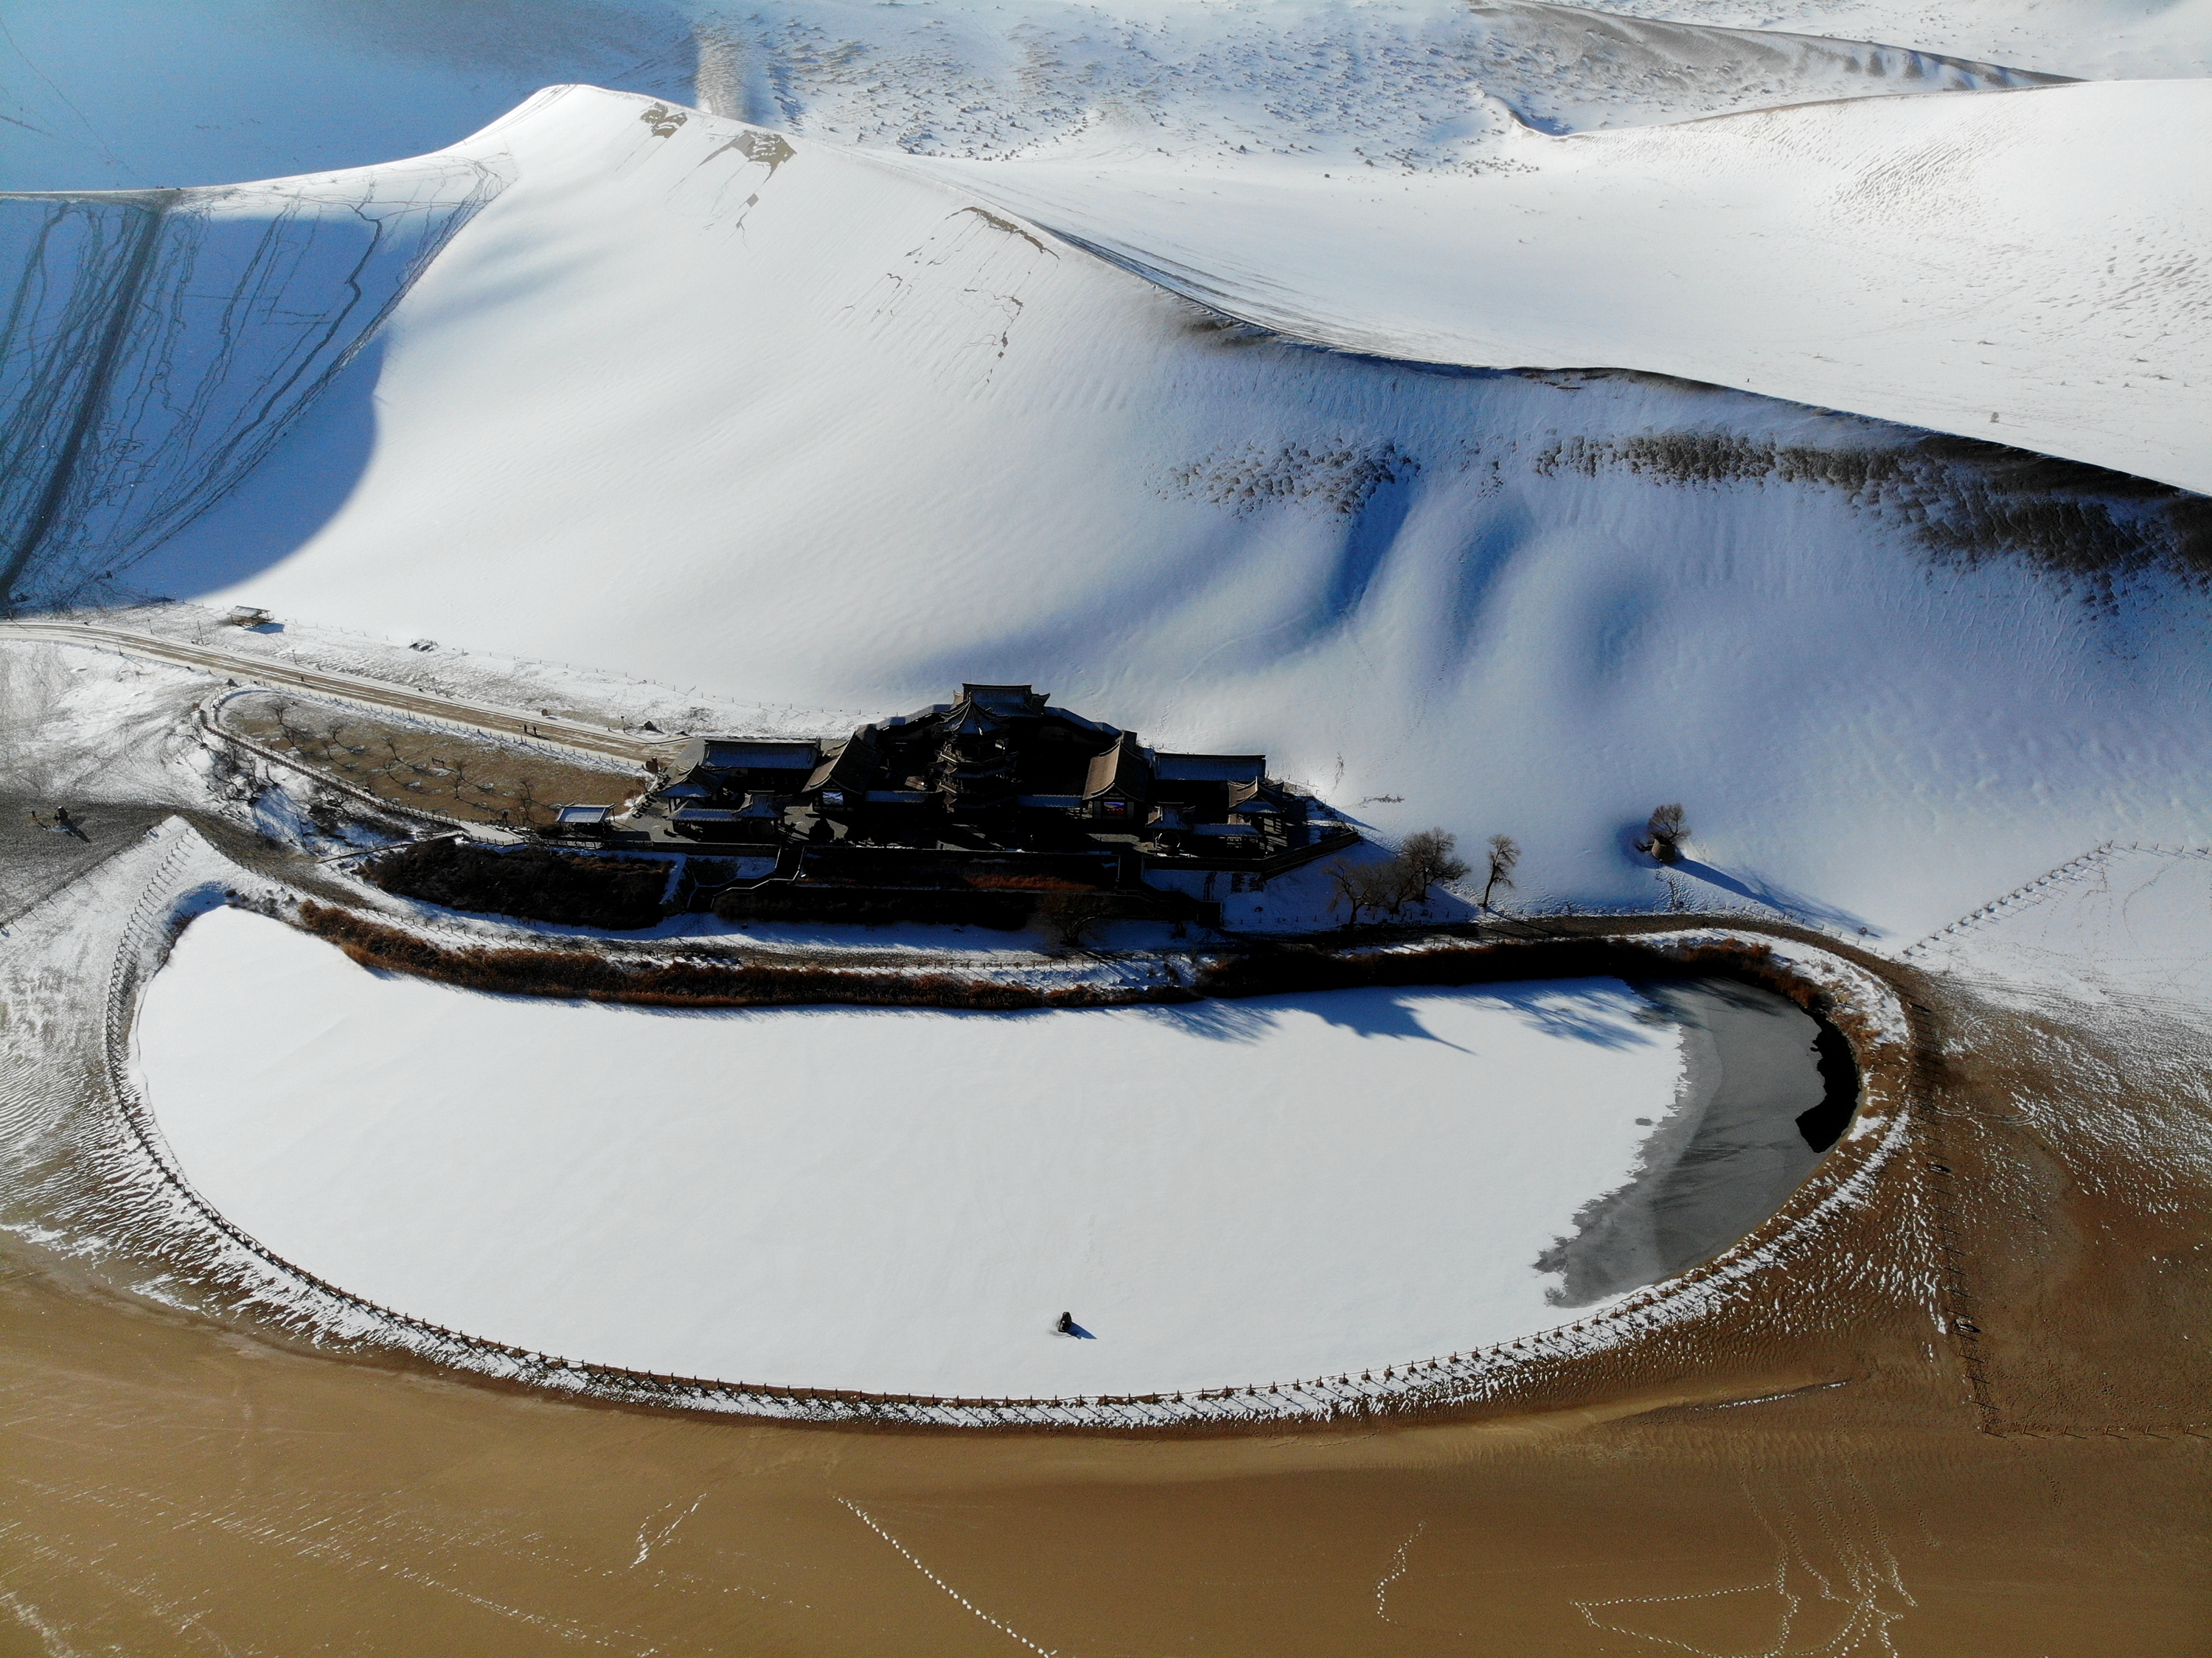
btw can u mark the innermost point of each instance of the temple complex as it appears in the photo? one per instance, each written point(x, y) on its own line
point(998, 783)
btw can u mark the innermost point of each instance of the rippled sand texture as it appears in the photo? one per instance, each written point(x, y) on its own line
point(175, 1488)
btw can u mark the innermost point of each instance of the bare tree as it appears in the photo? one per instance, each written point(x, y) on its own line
point(1664, 834)
point(1070, 917)
point(1425, 859)
point(1504, 854)
point(1365, 886)
point(297, 735)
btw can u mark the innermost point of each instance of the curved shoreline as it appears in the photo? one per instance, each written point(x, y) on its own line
point(1727, 1154)
point(1857, 1007)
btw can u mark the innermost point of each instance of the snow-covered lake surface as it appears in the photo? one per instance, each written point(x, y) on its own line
point(906, 1200)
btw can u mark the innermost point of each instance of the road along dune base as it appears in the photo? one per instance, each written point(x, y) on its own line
point(906, 1200)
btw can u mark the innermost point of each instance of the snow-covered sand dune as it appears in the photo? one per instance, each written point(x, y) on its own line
point(160, 343)
point(293, 90)
point(906, 1200)
point(2096, 39)
point(1378, 178)
point(1414, 85)
point(816, 424)
point(802, 426)
point(2021, 268)
point(2026, 268)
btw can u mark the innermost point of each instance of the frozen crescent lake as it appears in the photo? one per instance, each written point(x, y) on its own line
point(1222, 1193)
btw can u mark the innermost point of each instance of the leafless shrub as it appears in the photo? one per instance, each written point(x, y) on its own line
point(296, 731)
point(1369, 886)
point(1505, 856)
point(1427, 858)
point(1387, 886)
point(1664, 834)
point(1072, 917)
point(1248, 477)
point(1963, 500)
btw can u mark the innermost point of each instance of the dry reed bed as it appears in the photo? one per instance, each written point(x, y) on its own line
point(1256, 971)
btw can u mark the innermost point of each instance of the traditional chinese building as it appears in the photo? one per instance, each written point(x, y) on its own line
point(996, 785)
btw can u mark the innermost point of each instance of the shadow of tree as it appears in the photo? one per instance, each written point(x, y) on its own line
point(1795, 905)
point(1602, 1013)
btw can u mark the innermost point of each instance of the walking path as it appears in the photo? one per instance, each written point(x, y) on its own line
point(631, 748)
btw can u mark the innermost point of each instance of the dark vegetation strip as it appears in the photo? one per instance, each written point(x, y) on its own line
point(1259, 970)
point(587, 976)
point(623, 894)
point(1966, 500)
point(1001, 912)
point(530, 884)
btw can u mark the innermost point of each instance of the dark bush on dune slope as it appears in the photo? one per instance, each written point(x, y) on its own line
point(530, 884)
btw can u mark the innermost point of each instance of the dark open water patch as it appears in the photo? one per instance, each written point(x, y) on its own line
point(1766, 1089)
